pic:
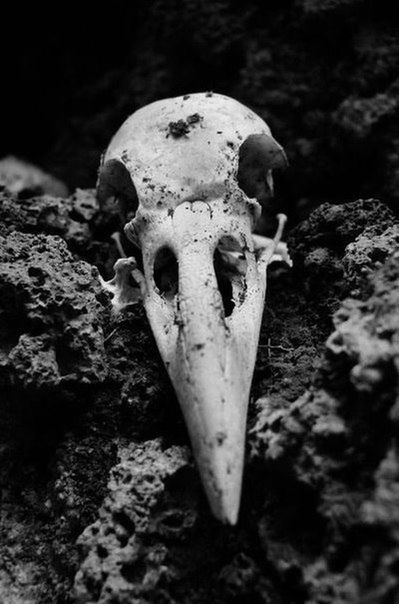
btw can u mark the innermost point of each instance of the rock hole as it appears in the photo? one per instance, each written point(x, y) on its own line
point(127, 478)
point(173, 519)
point(378, 255)
point(66, 358)
point(166, 273)
point(134, 571)
point(11, 328)
point(125, 522)
point(37, 274)
point(102, 551)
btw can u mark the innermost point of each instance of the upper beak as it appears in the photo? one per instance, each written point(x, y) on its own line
point(210, 357)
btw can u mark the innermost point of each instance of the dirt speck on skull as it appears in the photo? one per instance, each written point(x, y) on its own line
point(178, 129)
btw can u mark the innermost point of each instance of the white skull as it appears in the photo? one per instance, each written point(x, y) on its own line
point(187, 172)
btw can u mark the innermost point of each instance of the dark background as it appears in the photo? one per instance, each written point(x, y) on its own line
point(323, 74)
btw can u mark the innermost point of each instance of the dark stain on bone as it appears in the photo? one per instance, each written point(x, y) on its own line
point(182, 127)
point(194, 118)
point(178, 129)
point(220, 438)
point(125, 157)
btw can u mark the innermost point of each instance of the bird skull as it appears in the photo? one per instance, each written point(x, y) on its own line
point(188, 173)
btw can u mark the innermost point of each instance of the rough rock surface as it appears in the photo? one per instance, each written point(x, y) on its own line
point(327, 525)
point(51, 321)
point(78, 219)
point(333, 448)
point(120, 564)
point(52, 359)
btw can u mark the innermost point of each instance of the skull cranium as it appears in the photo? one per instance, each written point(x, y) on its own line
point(189, 173)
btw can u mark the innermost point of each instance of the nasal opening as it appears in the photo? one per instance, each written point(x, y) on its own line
point(166, 273)
point(230, 267)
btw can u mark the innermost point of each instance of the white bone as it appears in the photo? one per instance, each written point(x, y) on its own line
point(281, 251)
point(122, 290)
point(117, 238)
point(182, 156)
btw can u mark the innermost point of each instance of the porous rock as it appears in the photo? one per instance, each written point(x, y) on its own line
point(78, 219)
point(368, 253)
point(334, 448)
point(147, 402)
point(326, 247)
point(335, 226)
point(119, 566)
point(52, 309)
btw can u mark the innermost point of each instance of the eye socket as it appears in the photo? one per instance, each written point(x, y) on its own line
point(259, 154)
point(115, 186)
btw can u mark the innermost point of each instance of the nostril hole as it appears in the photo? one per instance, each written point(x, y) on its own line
point(166, 273)
point(224, 283)
point(230, 268)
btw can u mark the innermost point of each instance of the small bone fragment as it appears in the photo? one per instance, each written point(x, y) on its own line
point(120, 286)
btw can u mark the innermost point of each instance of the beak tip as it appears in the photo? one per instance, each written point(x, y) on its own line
point(231, 519)
point(221, 470)
point(226, 506)
point(227, 515)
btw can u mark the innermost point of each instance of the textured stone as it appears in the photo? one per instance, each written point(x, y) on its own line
point(77, 219)
point(327, 447)
point(119, 566)
point(52, 309)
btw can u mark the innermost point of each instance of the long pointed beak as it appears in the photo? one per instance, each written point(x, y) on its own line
point(209, 381)
point(210, 357)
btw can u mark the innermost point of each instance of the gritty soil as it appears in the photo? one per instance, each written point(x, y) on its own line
point(101, 501)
